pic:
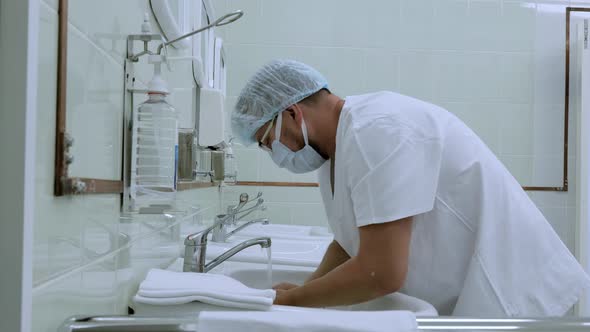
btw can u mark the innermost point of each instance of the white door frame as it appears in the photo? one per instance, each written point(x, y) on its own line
point(19, 28)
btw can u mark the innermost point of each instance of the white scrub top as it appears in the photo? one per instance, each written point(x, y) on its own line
point(479, 246)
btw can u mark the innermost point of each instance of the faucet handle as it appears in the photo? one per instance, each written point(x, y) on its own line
point(244, 199)
point(248, 200)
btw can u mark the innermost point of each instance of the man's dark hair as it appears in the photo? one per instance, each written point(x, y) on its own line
point(314, 98)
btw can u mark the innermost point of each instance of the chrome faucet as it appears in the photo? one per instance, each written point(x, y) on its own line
point(195, 248)
point(236, 213)
point(220, 233)
point(233, 211)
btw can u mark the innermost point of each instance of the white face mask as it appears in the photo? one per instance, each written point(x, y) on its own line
point(302, 161)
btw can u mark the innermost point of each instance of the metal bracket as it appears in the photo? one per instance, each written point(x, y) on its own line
point(131, 88)
point(145, 38)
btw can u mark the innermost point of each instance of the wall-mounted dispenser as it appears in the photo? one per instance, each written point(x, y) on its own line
point(210, 165)
point(215, 150)
point(217, 166)
point(219, 71)
point(186, 155)
point(211, 124)
point(203, 170)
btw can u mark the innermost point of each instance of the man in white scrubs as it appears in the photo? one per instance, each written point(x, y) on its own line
point(416, 201)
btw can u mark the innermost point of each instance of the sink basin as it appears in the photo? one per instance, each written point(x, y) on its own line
point(288, 232)
point(257, 278)
point(284, 251)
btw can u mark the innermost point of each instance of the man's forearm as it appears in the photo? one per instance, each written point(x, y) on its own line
point(334, 257)
point(379, 268)
point(349, 283)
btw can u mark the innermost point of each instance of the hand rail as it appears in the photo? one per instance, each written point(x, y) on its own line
point(178, 324)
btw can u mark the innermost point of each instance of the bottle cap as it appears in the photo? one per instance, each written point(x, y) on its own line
point(146, 27)
point(157, 84)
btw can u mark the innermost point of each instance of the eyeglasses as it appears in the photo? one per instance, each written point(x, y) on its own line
point(261, 143)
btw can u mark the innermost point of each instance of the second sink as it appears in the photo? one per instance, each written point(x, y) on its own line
point(284, 251)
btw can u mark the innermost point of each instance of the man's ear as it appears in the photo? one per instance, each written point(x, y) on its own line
point(296, 113)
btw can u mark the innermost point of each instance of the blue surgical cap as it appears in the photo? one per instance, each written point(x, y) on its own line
point(273, 88)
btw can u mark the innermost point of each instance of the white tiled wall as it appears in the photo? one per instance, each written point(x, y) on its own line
point(497, 64)
point(70, 232)
point(87, 284)
point(297, 206)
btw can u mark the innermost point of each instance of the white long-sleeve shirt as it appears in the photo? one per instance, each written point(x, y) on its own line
point(479, 245)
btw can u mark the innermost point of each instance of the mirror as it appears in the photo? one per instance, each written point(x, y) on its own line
point(508, 83)
point(500, 68)
point(91, 93)
point(89, 114)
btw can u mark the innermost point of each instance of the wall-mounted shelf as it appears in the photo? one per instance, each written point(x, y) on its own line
point(188, 185)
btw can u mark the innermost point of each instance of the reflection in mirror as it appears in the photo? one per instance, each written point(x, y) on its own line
point(507, 84)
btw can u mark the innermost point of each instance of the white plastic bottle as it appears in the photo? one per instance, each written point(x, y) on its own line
point(157, 145)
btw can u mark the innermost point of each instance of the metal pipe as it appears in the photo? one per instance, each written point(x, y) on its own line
point(504, 324)
point(224, 20)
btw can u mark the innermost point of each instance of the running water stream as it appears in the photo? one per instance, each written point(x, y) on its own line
point(268, 266)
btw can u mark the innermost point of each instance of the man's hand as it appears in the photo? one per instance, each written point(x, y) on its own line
point(282, 297)
point(284, 286)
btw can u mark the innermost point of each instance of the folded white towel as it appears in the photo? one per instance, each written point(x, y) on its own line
point(162, 287)
point(308, 321)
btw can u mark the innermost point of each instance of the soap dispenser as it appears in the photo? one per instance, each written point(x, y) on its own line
point(157, 143)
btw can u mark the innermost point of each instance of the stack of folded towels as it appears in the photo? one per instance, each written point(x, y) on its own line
point(162, 287)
